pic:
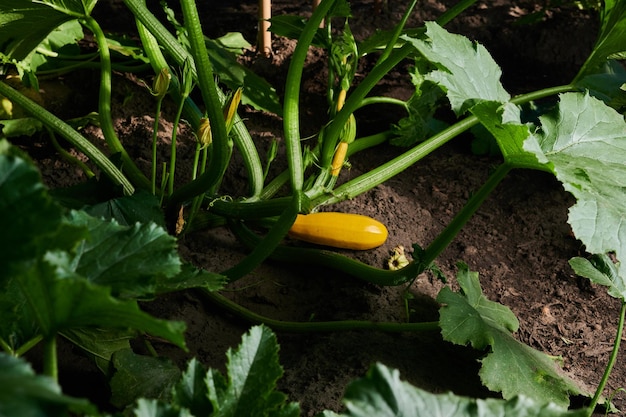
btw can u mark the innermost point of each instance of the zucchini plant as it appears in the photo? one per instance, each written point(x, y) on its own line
point(579, 139)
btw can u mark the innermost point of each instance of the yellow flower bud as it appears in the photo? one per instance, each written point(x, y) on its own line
point(230, 109)
point(205, 137)
point(161, 83)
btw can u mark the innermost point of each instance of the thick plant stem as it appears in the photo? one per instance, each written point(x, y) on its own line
point(612, 360)
point(50, 367)
point(270, 241)
point(291, 112)
point(449, 233)
point(104, 107)
point(319, 326)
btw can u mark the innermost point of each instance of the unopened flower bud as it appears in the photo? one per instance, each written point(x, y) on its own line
point(205, 137)
point(161, 83)
point(230, 109)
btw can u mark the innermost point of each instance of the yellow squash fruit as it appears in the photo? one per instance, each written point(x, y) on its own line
point(339, 230)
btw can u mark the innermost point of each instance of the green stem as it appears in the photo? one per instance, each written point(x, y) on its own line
point(612, 360)
point(50, 366)
point(393, 167)
point(104, 107)
point(75, 138)
point(179, 112)
point(333, 260)
point(270, 241)
point(69, 157)
point(368, 101)
point(28, 345)
point(292, 95)
point(396, 33)
point(333, 130)
point(155, 131)
point(449, 233)
point(152, 32)
point(320, 326)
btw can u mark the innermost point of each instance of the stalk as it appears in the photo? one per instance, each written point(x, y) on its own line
point(396, 33)
point(330, 259)
point(292, 95)
point(153, 34)
point(72, 136)
point(612, 360)
point(104, 106)
point(155, 131)
point(393, 167)
point(313, 326)
point(270, 241)
point(50, 365)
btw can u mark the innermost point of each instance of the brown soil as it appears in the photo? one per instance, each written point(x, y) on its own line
point(518, 241)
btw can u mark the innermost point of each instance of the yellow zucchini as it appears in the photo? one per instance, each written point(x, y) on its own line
point(339, 230)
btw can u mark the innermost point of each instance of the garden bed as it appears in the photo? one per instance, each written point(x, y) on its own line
point(518, 241)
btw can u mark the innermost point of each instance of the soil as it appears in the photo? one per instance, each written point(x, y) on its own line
point(519, 240)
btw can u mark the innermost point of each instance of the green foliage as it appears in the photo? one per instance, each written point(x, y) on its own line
point(383, 394)
point(23, 393)
point(65, 273)
point(583, 142)
point(248, 390)
point(466, 71)
point(510, 367)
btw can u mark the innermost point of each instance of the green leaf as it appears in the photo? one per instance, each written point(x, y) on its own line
point(191, 391)
point(465, 70)
point(584, 142)
point(22, 393)
point(25, 24)
point(141, 207)
point(57, 299)
point(503, 121)
point(601, 270)
point(253, 370)
point(138, 376)
point(191, 277)
point(612, 37)
point(154, 408)
point(257, 92)
point(127, 258)
point(100, 343)
point(382, 394)
point(511, 367)
point(30, 221)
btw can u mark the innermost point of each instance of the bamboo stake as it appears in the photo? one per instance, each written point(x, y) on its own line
point(265, 36)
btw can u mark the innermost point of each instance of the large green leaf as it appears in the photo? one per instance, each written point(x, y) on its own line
point(465, 70)
point(25, 24)
point(253, 370)
point(127, 258)
point(383, 394)
point(584, 141)
point(30, 221)
point(22, 393)
point(511, 367)
point(57, 299)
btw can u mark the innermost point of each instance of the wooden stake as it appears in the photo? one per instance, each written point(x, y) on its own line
point(265, 36)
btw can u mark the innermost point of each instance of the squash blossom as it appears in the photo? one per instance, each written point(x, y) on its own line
point(161, 83)
point(230, 109)
point(204, 134)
